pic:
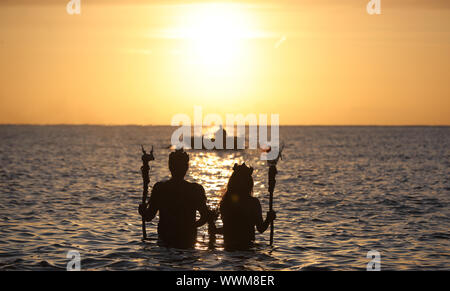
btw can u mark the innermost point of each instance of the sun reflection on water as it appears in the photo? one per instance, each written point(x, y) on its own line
point(212, 172)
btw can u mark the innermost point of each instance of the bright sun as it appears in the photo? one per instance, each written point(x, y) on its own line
point(214, 50)
point(216, 34)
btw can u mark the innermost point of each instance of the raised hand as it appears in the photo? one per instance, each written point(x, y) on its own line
point(271, 215)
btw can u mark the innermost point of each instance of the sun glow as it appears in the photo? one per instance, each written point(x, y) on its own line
point(215, 51)
point(216, 34)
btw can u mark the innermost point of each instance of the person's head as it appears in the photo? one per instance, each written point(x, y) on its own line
point(178, 163)
point(240, 184)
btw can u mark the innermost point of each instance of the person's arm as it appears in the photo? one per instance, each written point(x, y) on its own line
point(261, 225)
point(205, 213)
point(212, 229)
point(149, 210)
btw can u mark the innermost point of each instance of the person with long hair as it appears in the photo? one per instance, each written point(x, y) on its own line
point(240, 211)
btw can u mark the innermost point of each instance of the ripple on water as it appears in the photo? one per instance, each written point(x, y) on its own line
point(341, 191)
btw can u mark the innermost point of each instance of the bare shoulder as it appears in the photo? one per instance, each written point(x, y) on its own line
point(159, 185)
point(197, 188)
point(254, 202)
point(198, 193)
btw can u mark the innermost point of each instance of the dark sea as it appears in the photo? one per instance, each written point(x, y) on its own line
point(340, 192)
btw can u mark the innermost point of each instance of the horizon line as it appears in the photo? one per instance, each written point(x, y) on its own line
point(168, 125)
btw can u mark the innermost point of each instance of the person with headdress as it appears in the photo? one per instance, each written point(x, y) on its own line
point(177, 201)
point(240, 211)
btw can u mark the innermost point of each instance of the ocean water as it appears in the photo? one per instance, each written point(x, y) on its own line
point(341, 192)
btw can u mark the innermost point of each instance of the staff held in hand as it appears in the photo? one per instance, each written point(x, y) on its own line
point(145, 169)
point(272, 173)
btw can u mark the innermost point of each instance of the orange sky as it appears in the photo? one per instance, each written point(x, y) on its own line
point(312, 62)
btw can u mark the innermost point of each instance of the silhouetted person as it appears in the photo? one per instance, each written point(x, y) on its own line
point(221, 133)
point(177, 202)
point(241, 212)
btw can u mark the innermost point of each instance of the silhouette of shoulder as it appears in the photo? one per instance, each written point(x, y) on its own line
point(198, 191)
point(194, 190)
point(197, 188)
point(254, 204)
point(158, 185)
point(157, 189)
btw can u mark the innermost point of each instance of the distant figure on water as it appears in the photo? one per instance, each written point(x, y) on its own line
point(177, 202)
point(240, 211)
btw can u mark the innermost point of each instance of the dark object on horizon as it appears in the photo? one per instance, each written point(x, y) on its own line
point(177, 201)
point(145, 169)
point(238, 144)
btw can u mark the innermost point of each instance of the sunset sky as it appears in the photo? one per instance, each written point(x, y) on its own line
point(314, 62)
